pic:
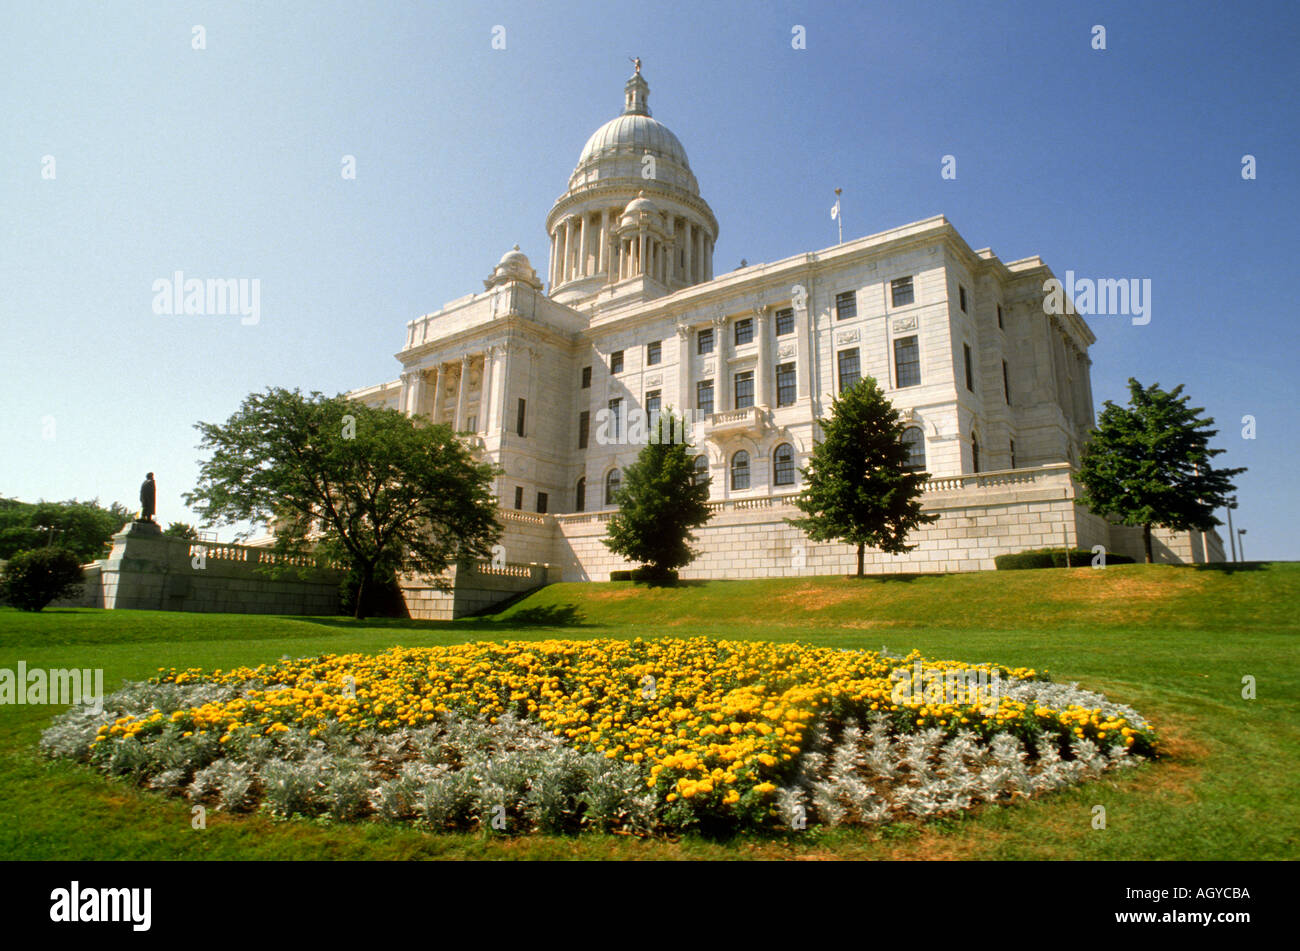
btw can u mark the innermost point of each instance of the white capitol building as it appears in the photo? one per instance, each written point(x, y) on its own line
point(631, 316)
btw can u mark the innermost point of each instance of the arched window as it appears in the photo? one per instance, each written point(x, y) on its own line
point(914, 441)
point(740, 470)
point(701, 466)
point(974, 453)
point(783, 464)
point(580, 496)
point(613, 482)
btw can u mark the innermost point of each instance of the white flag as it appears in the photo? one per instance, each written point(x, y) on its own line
point(835, 211)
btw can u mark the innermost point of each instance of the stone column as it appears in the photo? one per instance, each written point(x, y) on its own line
point(550, 270)
point(603, 264)
point(583, 245)
point(689, 241)
point(708, 259)
point(684, 401)
point(462, 390)
point(485, 402)
point(766, 370)
point(722, 396)
point(437, 392)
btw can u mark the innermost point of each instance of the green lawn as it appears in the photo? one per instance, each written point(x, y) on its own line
point(1175, 642)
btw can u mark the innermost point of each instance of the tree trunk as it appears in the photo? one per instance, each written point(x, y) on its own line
point(861, 548)
point(363, 592)
point(1146, 540)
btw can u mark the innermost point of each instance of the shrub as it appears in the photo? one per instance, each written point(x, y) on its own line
point(33, 579)
point(644, 574)
point(1054, 558)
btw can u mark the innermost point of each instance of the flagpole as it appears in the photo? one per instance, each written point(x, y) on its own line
point(839, 215)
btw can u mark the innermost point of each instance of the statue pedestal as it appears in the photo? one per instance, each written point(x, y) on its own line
point(137, 570)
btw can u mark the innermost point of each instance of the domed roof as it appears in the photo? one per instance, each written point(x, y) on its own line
point(641, 204)
point(633, 133)
point(514, 257)
point(513, 266)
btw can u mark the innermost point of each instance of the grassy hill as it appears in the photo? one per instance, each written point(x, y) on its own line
point(1175, 642)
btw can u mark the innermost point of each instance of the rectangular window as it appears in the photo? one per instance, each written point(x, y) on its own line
point(744, 389)
point(519, 417)
point(471, 424)
point(970, 379)
point(704, 396)
point(616, 419)
point(584, 428)
point(653, 353)
point(616, 362)
point(850, 369)
point(846, 305)
point(744, 331)
point(1006, 384)
point(785, 321)
point(999, 316)
point(900, 291)
point(586, 378)
point(541, 503)
point(519, 496)
point(961, 297)
point(907, 362)
point(652, 405)
point(785, 384)
point(704, 341)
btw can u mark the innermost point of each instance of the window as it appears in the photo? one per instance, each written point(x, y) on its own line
point(704, 396)
point(744, 329)
point(652, 403)
point(907, 362)
point(654, 353)
point(744, 389)
point(999, 316)
point(541, 503)
point(701, 467)
point(613, 482)
point(616, 362)
point(1013, 454)
point(783, 464)
point(471, 424)
point(850, 369)
point(704, 341)
point(740, 470)
point(1006, 383)
point(616, 419)
point(846, 305)
point(586, 378)
point(519, 416)
point(900, 291)
point(519, 496)
point(961, 297)
point(785, 384)
point(974, 453)
point(914, 441)
point(965, 355)
point(580, 496)
point(584, 428)
point(785, 321)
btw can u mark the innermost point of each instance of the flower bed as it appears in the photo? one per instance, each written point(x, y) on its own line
point(638, 735)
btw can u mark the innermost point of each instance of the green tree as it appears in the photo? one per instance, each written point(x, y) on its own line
point(83, 528)
point(387, 493)
point(32, 579)
point(857, 487)
point(659, 503)
point(182, 530)
point(1149, 463)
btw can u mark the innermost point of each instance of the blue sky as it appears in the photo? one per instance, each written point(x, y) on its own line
point(225, 162)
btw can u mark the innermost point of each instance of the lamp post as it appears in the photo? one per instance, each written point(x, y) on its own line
point(1241, 543)
point(1232, 541)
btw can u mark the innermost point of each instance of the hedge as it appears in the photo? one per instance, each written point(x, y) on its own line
point(1054, 558)
point(643, 574)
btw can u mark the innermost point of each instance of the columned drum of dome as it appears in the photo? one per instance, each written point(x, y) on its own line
point(632, 223)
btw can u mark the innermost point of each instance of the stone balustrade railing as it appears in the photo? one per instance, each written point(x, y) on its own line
point(253, 555)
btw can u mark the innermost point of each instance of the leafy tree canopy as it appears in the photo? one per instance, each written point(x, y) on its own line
point(659, 503)
point(1150, 463)
point(857, 487)
point(387, 493)
point(83, 528)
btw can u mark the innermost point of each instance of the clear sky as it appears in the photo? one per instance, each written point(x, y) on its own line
point(226, 162)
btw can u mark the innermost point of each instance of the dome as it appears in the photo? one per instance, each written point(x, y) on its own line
point(514, 258)
point(636, 134)
point(513, 266)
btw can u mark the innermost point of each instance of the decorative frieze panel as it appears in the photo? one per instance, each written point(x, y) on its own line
point(902, 324)
point(847, 336)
